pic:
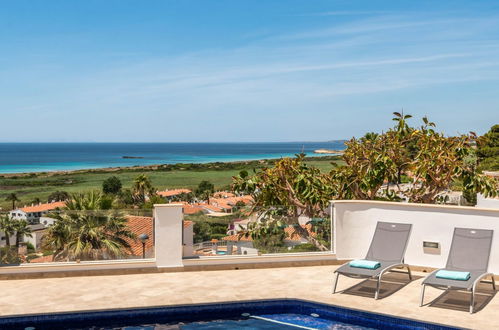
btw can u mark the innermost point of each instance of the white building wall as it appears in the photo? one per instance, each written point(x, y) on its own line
point(355, 221)
point(489, 203)
point(188, 241)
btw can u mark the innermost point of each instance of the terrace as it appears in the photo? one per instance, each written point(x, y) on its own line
point(169, 278)
point(309, 283)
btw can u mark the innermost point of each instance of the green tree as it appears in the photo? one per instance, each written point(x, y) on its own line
point(432, 161)
point(287, 191)
point(83, 231)
point(204, 189)
point(268, 236)
point(124, 199)
point(111, 185)
point(58, 196)
point(7, 227)
point(488, 150)
point(142, 187)
point(22, 229)
point(12, 197)
point(202, 231)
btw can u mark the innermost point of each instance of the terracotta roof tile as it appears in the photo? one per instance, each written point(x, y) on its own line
point(173, 192)
point(140, 225)
point(43, 207)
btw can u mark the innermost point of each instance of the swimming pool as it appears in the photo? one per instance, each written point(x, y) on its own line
point(264, 314)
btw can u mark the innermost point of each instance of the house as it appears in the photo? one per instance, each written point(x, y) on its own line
point(33, 213)
point(170, 195)
point(237, 226)
point(190, 209)
point(140, 225)
point(292, 238)
point(37, 232)
point(145, 225)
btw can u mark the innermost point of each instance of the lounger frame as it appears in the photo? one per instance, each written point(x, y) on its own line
point(471, 288)
point(377, 274)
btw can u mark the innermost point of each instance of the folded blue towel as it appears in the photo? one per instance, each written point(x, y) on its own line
point(453, 275)
point(361, 263)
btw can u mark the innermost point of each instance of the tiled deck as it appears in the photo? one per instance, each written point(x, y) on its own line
point(310, 283)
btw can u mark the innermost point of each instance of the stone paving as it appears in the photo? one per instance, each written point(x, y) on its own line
point(398, 297)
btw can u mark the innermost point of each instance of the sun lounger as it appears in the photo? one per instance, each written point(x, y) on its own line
point(387, 248)
point(469, 253)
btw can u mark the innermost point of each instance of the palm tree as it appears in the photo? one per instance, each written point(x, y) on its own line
point(22, 229)
point(84, 232)
point(12, 197)
point(142, 187)
point(7, 227)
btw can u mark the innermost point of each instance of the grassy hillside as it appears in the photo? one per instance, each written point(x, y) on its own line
point(31, 186)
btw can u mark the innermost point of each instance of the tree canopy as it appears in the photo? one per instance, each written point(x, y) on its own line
point(488, 150)
point(375, 167)
point(84, 231)
point(111, 185)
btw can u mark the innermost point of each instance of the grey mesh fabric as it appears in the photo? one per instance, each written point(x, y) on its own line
point(389, 242)
point(433, 280)
point(387, 246)
point(469, 251)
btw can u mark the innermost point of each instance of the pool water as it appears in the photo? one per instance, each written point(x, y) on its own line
point(258, 314)
point(257, 322)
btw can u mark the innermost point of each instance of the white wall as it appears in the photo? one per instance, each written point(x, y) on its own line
point(489, 203)
point(168, 223)
point(188, 248)
point(355, 221)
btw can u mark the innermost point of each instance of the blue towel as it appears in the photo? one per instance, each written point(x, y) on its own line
point(369, 264)
point(453, 275)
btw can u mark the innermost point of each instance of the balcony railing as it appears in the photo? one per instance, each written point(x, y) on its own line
point(76, 236)
point(256, 231)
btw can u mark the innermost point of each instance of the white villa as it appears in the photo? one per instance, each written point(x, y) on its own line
point(33, 213)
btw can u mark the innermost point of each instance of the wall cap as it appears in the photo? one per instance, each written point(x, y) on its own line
point(168, 205)
point(417, 205)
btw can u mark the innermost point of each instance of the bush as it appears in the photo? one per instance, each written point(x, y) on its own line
point(111, 185)
point(30, 246)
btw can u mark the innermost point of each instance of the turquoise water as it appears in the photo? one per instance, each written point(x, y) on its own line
point(41, 157)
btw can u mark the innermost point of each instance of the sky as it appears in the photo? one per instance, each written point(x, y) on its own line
point(243, 71)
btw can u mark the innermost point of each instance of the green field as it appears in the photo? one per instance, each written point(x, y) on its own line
point(29, 187)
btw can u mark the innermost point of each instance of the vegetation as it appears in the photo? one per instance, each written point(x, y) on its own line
point(12, 197)
point(111, 185)
point(142, 187)
point(431, 161)
point(43, 185)
point(58, 196)
point(83, 231)
point(12, 227)
point(204, 190)
point(488, 150)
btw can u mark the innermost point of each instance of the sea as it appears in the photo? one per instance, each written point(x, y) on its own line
point(46, 157)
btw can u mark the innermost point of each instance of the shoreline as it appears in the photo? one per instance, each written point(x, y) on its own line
point(156, 167)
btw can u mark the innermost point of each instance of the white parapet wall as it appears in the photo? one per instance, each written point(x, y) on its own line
point(355, 221)
point(168, 227)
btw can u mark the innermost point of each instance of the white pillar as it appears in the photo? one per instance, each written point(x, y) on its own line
point(168, 225)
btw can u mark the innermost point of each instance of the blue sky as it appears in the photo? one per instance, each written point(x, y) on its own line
point(170, 71)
